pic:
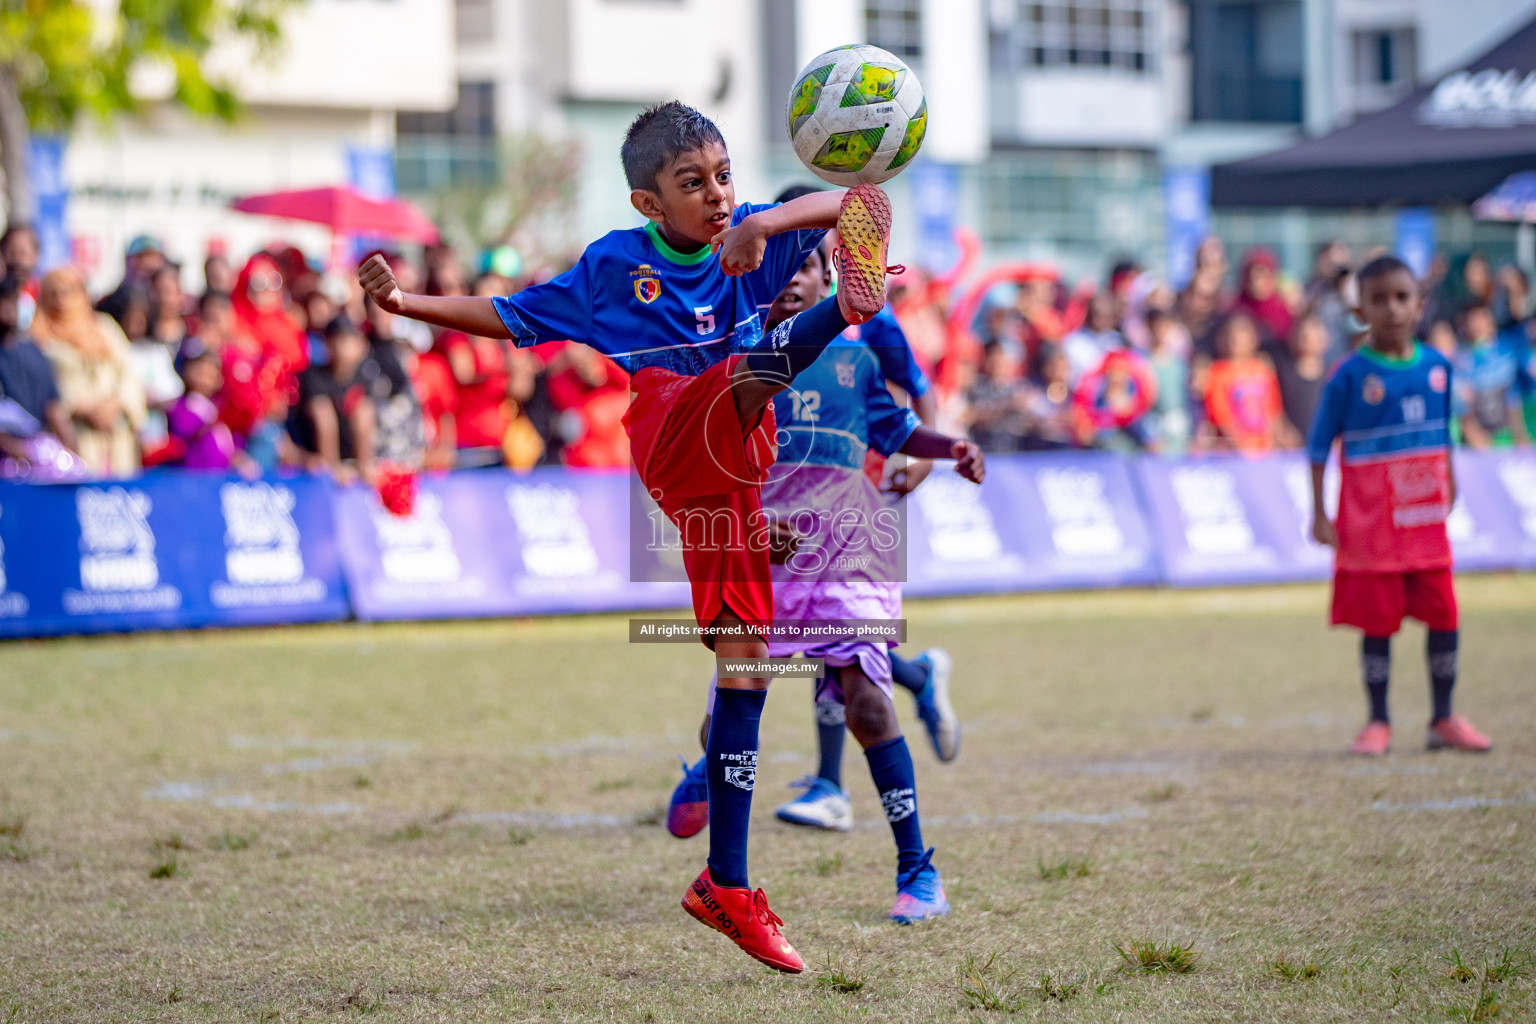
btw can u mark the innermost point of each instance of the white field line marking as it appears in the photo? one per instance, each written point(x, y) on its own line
point(1460, 803)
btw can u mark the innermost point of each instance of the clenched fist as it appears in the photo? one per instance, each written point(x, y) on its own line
point(380, 284)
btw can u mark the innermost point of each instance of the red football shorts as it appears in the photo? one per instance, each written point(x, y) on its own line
point(1376, 602)
point(706, 471)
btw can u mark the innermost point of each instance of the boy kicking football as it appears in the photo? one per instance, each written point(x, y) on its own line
point(1390, 402)
point(836, 412)
point(687, 324)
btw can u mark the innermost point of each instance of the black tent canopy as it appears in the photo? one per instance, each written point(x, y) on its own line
point(1450, 142)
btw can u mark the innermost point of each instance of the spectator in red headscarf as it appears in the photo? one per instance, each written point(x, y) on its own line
point(1260, 300)
point(261, 312)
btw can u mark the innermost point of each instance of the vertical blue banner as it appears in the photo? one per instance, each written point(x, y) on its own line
point(1414, 239)
point(45, 171)
point(936, 197)
point(1187, 211)
point(371, 170)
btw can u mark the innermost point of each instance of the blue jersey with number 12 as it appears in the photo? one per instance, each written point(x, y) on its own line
point(641, 303)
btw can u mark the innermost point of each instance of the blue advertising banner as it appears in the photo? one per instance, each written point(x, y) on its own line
point(45, 173)
point(1488, 528)
point(491, 542)
point(166, 551)
point(1187, 212)
point(1414, 238)
point(1515, 472)
point(936, 198)
point(1039, 522)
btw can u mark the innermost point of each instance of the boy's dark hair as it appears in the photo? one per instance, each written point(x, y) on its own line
point(9, 287)
point(16, 228)
point(794, 192)
point(211, 297)
point(341, 324)
point(1381, 266)
point(658, 136)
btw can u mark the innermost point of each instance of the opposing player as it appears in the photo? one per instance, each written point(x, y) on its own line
point(1390, 403)
point(836, 411)
point(679, 303)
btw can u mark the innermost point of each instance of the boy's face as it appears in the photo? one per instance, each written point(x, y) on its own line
point(808, 287)
point(205, 377)
point(694, 195)
point(1479, 324)
point(1391, 304)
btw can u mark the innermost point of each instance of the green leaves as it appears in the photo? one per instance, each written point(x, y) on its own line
point(67, 59)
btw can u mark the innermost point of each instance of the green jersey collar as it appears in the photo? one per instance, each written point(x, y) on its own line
point(1388, 361)
point(686, 259)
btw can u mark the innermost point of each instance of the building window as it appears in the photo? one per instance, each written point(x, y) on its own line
point(1386, 58)
point(1246, 60)
point(1079, 33)
point(895, 25)
point(453, 147)
point(475, 114)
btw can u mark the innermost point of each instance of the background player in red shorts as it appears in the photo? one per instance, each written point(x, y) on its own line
point(688, 326)
point(1390, 403)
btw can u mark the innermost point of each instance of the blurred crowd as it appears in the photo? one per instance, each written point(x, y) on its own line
point(1231, 362)
point(276, 363)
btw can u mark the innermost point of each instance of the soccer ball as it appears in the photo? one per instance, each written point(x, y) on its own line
point(857, 114)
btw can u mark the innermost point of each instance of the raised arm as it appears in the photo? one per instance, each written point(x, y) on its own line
point(927, 443)
point(741, 247)
point(472, 315)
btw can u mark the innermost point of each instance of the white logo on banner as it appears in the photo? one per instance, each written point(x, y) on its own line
point(12, 606)
point(1519, 480)
point(1215, 521)
point(417, 548)
point(556, 541)
point(261, 555)
point(1491, 98)
point(1082, 519)
point(118, 570)
point(960, 526)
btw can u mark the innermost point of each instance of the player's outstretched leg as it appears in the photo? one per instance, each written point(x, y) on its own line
point(927, 677)
point(1448, 730)
point(721, 896)
point(1376, 669)
point(872, 720)
point(824, 804)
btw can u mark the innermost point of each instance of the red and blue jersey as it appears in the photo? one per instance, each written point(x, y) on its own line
point(643, 304)
point(1393, 418)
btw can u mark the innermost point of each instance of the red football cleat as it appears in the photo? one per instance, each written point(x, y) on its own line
point(1373, 740)
point(742, 916)
point(1456, 733)
point(863, 231)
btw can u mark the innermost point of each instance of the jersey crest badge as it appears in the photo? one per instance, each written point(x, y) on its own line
point(1373, 390)
point(647, 283)
point(1438, 380)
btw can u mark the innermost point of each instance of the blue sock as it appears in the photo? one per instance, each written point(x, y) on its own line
point(890, 763)
point(797, 342)
point(908, 675)
point(732, 772)
point(831, 721)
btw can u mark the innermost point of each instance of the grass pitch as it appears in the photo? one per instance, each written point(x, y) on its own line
point(1152, 818)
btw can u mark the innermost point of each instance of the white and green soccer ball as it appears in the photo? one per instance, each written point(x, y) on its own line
point(857, 114)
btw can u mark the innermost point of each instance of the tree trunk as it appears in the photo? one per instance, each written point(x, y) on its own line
point(14, 136)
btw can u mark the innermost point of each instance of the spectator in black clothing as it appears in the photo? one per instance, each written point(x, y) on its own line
point(144, 257)
point(1301, 368)
point(335, 421)
point(19, 252)
point(26, 376)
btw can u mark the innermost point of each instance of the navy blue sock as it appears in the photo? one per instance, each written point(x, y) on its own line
point(1440, 648)
point(890, 763)
point(1376, 667)
point(831, 720)
point(796, 343)
point(731, 754)
point(908, 675)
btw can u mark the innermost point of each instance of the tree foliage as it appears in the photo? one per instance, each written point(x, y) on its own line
point(65, 58)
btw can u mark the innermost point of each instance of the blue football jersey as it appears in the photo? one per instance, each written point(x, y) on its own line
point(641, 303)
point(837, 409)
point(888, 342)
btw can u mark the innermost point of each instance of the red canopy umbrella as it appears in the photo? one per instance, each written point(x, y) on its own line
point(345, 211)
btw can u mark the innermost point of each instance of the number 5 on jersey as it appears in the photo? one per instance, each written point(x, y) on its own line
point(706, 320)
